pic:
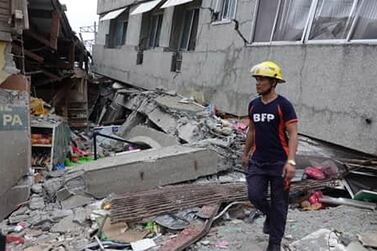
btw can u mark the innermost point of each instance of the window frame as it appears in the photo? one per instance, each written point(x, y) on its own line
point(186, 49)
point(113, 25)
point(355, 10)
point(155, 27)
point(331, 41)
point(220, 18)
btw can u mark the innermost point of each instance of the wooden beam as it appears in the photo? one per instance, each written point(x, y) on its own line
point(51, 76)
point(54, 29)
point(71, 54)
point(29, 54)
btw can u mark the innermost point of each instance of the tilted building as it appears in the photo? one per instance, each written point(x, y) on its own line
point(205, 48)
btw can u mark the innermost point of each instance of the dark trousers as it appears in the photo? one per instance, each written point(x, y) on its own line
point(258, 178)
point(2, 242)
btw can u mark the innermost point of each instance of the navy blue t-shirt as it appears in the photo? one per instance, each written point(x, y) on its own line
point(270, 121)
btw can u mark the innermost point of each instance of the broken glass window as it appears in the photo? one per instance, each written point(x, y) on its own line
point(292, 18)
point(265, 20)
point(366, 22)
point(332, 19)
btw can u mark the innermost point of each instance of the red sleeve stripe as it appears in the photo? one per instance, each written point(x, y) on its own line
point(291, 121)
point(282, 136)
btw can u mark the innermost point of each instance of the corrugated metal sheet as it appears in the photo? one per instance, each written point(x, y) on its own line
point(5, 15)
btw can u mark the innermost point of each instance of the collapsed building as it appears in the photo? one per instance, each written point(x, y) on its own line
point(169, 167)
point(40, 57)
point(205, 49)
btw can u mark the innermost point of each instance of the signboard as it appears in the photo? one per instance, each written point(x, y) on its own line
point(13, 118)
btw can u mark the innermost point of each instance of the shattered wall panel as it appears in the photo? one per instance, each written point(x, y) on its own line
point(14, 135)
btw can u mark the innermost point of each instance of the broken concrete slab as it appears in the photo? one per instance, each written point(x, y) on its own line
point(36, 202)
point(163, 120)
point(66, 225)
point(134, 119)
point(76, 201)
point(63, 194)
point(177, 103)
point(14, 197)
point(143, 170)
point(318, 240)
point(37, 188)
point(81, 215)
point(189, 132)
point(369, 239)
point(52, 186)
point(355, 246)
point(151, 137)
point(59, 214)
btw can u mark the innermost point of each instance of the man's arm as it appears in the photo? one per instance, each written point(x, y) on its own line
point(289, 170)
point(248, 145)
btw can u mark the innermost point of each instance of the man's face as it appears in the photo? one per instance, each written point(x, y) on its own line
point(263, 85)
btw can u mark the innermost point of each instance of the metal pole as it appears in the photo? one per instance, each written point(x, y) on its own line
point(95, 145)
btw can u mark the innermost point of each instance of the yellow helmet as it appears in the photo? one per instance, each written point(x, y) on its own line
point(268, 69)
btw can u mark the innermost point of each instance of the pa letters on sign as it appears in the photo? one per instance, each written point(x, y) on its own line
point(8, 117)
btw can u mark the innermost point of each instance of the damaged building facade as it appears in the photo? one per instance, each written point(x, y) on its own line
point(205, 49)
point(40, 56)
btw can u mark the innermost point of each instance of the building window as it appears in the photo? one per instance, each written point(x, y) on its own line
point(301, 21)
point(155, 30)
point(225, 10)
point(190, 29)
point(281, 20)
point(332, 19)
point(118, 31)
point(365, 25)
point(185, 26)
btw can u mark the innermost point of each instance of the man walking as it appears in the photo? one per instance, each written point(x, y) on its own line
point(270, 150)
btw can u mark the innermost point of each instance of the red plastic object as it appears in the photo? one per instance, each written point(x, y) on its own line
point(15, 239)
point(315, 173)
point(314, 198)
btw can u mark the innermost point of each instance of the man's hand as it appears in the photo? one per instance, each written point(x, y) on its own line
point(245, 160)
point(288, 171)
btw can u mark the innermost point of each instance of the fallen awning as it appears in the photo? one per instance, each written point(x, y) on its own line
point(171, 3)
point(112, 14)
point(145, 7)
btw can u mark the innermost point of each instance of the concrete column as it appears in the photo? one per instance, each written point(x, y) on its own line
point(103, 30)
point(133, 29)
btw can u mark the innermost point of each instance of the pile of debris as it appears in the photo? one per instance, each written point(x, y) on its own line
point(168, 174)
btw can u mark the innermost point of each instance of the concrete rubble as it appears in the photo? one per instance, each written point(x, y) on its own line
point(188, 145)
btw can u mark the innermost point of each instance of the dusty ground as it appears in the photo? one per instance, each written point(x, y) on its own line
point(239, 235)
